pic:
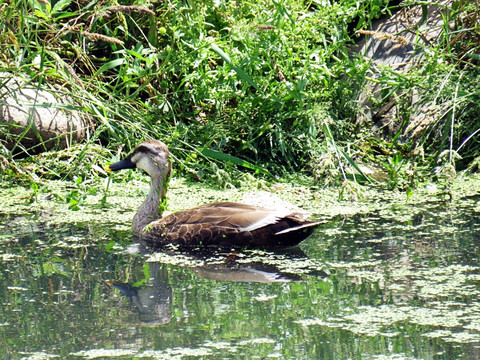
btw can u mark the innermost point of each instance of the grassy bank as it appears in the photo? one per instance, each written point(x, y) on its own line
point(266, 87)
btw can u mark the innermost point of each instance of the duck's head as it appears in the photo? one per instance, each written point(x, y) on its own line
point(152, 156)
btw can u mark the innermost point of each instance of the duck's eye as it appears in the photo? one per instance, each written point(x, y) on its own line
point(142, 148)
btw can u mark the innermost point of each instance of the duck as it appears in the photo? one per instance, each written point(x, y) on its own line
point(217, 225)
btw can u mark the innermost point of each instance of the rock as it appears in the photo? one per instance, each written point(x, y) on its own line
point(396, 42)
point(34, 120)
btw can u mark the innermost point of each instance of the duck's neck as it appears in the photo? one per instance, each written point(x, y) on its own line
point(149, 211)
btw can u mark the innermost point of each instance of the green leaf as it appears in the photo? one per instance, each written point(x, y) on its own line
point(409, 193)
point(136, 54)
point(63, 15)
point(218, 155)
point(222, 54)
point(110, 65)
point(41, 14)
point(59, 6)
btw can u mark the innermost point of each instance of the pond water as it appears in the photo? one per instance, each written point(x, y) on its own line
point(382, 278)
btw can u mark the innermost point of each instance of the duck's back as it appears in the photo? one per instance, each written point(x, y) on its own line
point(228, 225)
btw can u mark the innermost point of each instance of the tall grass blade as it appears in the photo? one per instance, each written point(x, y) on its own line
point(110, 65)
point(340, 152)
point(218, 155)
point(355, 166)
point(241, 74)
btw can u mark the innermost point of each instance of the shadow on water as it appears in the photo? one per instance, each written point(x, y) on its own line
point(398, 282)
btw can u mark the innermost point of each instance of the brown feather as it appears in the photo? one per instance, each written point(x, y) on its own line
point(221, 224)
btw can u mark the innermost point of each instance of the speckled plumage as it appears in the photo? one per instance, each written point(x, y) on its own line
point(223, 224)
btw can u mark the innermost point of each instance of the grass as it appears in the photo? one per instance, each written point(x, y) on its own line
point(268, 88)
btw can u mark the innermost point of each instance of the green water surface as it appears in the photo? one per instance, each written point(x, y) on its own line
point(382, 278)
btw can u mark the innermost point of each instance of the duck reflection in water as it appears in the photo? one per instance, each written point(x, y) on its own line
point(153, 301)
point(231, 269)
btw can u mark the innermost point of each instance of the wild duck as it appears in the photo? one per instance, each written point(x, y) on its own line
point(218, 225)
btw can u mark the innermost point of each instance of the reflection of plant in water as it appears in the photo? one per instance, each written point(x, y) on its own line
point(457, 321)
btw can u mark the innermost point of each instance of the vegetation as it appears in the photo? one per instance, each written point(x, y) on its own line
point(241, 91)
point(268, 86)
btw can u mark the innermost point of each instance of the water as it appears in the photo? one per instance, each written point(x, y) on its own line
point(385, 281)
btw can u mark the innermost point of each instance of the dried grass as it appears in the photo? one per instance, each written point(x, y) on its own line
point(100, 37)
point(127, 10)
point(380, 35)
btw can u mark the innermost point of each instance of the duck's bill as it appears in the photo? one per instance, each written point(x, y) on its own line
point(119, 165)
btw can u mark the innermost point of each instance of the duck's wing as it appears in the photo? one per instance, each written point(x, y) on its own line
point(222, 224)
point(228, 215)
